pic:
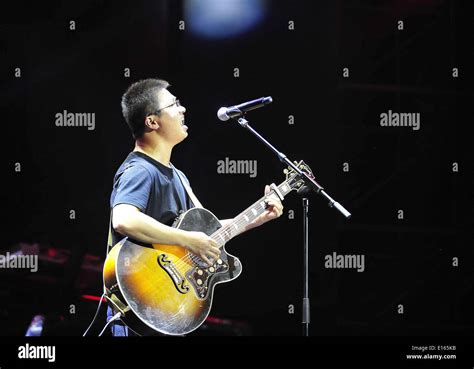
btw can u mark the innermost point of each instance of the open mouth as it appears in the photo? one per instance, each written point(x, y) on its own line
point(183, 125)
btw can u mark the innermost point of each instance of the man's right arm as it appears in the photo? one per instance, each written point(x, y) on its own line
point(130, 221)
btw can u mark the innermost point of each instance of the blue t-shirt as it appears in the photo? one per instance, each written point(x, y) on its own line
point(154, 188)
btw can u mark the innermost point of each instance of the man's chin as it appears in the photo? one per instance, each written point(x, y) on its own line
point(186, 134)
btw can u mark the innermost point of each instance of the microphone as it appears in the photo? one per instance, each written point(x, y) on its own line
point(239, 110)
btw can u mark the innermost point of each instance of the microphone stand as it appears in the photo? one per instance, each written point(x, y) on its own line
point(309, 184)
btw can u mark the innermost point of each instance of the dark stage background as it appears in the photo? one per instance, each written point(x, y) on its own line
point(418, 277)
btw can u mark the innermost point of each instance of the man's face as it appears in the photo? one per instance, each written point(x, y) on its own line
point(171, 118)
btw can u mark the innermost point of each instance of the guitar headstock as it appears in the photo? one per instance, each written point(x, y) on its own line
point(293, 179)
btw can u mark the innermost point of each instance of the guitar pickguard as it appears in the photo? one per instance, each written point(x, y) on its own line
point(201, 278)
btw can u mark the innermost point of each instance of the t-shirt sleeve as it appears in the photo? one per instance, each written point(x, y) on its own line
point(133, 187)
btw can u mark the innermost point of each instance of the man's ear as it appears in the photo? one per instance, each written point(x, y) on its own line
point(151, 123)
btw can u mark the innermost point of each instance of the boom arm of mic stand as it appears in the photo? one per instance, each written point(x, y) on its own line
point(310, 182)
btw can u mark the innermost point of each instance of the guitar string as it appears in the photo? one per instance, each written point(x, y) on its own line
point(191, 257)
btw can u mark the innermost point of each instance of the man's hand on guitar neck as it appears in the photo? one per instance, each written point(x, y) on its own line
point(274, 209)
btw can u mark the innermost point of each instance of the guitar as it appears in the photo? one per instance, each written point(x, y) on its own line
point(165, 289)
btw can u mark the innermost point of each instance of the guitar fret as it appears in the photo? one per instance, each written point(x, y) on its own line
point(248, 215)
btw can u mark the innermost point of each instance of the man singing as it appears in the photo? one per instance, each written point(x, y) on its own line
point(148, 191)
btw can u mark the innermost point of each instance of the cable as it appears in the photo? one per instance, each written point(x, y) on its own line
point(95, 316)
point(115, 317)
point(138, 334)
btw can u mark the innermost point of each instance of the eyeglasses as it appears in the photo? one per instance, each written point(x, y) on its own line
point(176, 102)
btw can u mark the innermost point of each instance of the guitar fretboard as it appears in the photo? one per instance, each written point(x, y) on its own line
point(226, 233)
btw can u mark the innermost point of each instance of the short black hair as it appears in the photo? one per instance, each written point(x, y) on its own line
point(139, 101)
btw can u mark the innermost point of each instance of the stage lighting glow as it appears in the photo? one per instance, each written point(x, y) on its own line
point(222, 18)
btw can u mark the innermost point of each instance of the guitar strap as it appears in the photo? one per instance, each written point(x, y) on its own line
point(109, 247)
point(109, 237)
point(188, 189)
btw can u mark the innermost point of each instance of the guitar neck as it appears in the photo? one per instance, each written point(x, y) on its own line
point(241, 221)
